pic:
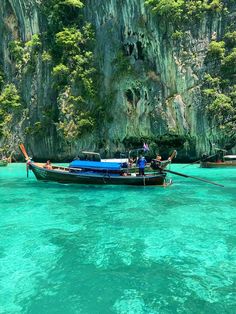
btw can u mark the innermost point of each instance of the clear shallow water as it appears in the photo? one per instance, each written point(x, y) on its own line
point(107, 249)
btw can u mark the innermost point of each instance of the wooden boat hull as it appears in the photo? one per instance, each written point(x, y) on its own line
point(225, 164)
point(3, 163)
point(63, 175)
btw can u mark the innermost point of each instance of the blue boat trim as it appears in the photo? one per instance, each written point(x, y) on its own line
point(100, 165)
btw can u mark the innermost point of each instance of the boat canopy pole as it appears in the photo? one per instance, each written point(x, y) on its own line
point(135, 150)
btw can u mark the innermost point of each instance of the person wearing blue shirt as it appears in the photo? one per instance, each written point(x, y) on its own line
point(141, 164)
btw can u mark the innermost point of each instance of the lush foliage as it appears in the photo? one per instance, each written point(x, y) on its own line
point(229, 63)
point(24, 54)
point(69, 51)
point(182, 10)
point(177, 35)
point(182, 13)
point(10, 106)
point(66, 46)
point(16, 50)
point(74, 80)
point(217, 49)
point(230, 39)
point(73, 3)
point(220, 85)
point(46, 56)
point(61, 13)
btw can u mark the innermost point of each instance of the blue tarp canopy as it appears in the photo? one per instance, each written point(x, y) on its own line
point(95, 165)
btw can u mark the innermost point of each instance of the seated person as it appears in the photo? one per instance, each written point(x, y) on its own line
point(48, 165)
point(131, 161)
point(158, 157)
point(160, 164)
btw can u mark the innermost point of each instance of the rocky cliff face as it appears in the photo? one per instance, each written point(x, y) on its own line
point(151, 80)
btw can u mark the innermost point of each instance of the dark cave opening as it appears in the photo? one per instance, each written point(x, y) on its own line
point(129, 95)
point(140, 50)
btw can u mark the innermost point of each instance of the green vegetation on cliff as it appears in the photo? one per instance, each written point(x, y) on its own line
point(10, 108)
point(70, 42)
point(219, 82)
point(182, 10)
point(66, 46)
point(220, 85)
point(24, 55)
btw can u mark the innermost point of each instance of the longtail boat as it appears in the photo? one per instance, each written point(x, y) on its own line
point(89, 172)
point(68, 175)
point(218, 160)
point(3, 162)
point(225, 162)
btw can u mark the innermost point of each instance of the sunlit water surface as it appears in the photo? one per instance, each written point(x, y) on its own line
point(69, 249)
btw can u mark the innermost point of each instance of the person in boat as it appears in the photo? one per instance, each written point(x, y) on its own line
point(160, 164)
point(131, 162)
point(158, 161)
point(141, 165)
point(48, 165)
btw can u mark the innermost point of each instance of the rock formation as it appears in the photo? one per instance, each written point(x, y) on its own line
point(150, 77)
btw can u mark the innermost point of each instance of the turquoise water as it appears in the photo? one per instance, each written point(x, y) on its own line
point(107, 249)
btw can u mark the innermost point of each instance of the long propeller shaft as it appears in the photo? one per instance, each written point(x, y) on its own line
point(192, 177)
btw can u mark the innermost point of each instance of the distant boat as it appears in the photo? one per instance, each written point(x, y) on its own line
point(225, 162)
point(3, 162)
point(93, 172)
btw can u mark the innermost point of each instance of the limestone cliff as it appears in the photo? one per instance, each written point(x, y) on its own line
point(150, 80)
